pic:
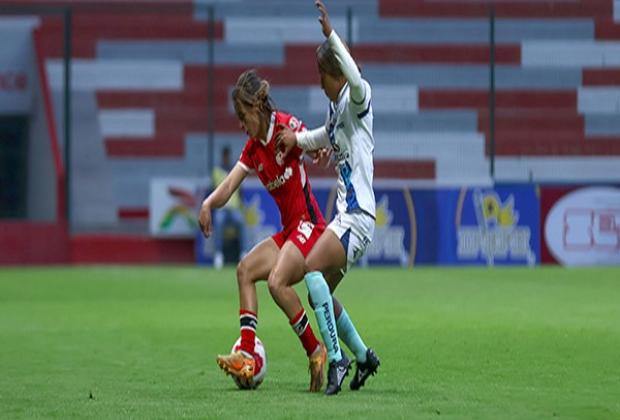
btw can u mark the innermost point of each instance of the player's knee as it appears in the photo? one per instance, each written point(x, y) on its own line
point(243, 273)
point(275, 283)
point(311, 265)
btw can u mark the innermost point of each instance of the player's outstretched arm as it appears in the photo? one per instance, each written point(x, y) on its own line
point(347, 64)
point(307, 140)
point(219, 197)
point(326, 24)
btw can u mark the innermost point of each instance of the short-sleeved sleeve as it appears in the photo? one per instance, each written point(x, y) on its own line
point(297, 126)
point(245, 159)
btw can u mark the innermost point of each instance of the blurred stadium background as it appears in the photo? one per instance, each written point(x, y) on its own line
point(488, 116)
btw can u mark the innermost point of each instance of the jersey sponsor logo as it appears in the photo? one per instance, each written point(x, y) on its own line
point(280, 180)
point(341, 156)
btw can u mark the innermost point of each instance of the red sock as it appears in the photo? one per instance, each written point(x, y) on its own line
point(303, 329)
point(248, 322)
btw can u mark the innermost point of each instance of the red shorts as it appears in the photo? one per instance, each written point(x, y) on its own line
point(304, 236)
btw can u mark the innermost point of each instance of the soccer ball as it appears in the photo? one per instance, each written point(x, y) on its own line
point(259, 349)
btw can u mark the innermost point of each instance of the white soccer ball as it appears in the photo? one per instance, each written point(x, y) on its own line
point(259, 349)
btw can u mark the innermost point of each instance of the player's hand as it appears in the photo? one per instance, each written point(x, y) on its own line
point(285, 139)
point(204, 219)
point(324, 18)
point(321, 157)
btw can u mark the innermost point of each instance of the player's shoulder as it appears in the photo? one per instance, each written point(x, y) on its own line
point(367, 92)
point(250, 143)
point(367, 87)
point(248, 148)
point(289, 120)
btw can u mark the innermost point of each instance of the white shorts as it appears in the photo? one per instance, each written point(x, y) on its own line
point(355, 231)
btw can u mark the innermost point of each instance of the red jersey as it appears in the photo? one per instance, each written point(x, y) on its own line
point(284, 178)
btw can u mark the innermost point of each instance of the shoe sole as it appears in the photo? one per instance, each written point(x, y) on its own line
point(363, 382)
point(235, 373)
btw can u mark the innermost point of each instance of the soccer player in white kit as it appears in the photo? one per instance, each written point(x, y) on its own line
point(348, 132)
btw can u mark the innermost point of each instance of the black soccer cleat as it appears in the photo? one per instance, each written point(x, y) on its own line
point(336, 374)
point(364, 370)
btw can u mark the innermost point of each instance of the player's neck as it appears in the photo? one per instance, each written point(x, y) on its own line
point(262, 129)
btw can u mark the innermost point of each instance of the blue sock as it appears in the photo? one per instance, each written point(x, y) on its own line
point(351, 338)
point(324, 312)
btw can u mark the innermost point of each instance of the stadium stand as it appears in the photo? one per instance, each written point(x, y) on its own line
point(141, 91)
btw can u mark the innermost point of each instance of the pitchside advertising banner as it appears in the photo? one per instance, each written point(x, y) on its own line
point(477, 226)
point(390, 246)
point(472, 226)
point(174, 205)
point(450, 226)
point(581, 225)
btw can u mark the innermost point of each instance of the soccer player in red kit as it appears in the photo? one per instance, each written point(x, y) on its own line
point(280, 258)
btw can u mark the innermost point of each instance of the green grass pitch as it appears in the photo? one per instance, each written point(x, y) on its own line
point(138, 342)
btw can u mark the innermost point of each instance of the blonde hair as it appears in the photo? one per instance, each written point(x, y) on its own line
point(252, 91)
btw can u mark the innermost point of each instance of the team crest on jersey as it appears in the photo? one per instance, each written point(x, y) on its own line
point(280, 158)
point(260, 167)
point(293, 123)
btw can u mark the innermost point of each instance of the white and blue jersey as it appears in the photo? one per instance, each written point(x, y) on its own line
point(349, 129)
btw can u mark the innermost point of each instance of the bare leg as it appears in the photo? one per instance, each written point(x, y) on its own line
point(328, 255)
point(287, 271)
point(255, 266)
